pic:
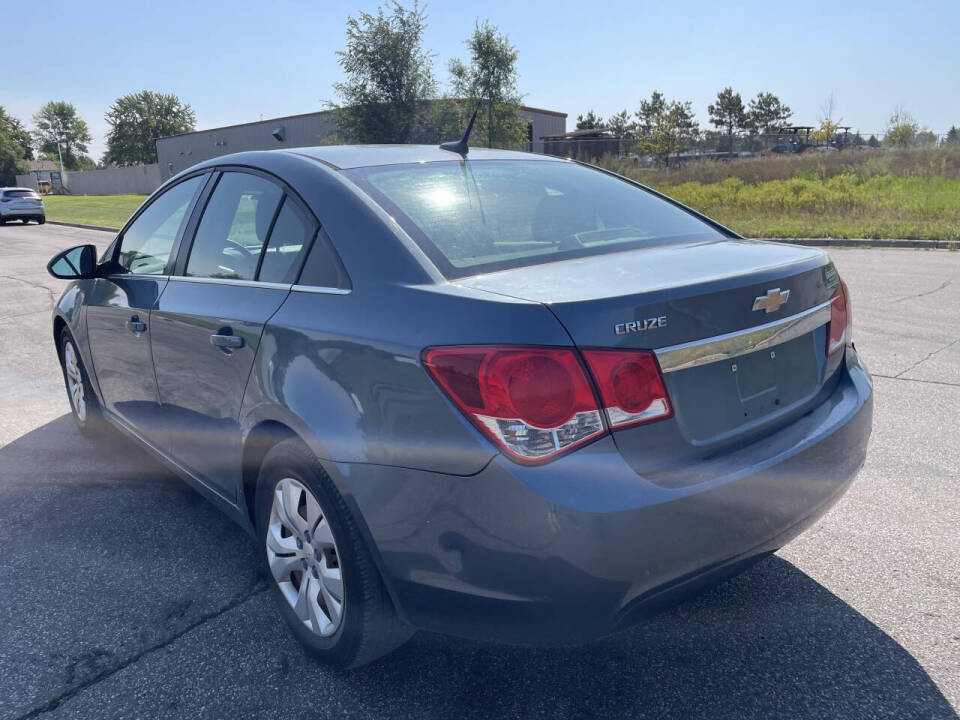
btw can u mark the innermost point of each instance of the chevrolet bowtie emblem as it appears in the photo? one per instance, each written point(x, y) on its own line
point(772, 301)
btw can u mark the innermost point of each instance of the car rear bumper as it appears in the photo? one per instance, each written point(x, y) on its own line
point(575, 549)
point(20, 213)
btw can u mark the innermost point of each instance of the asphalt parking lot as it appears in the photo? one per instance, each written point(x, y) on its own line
point(124, 594)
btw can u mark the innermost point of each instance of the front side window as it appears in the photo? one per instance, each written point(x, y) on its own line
point(234, 227)
point(486, 215)
point(146, 244)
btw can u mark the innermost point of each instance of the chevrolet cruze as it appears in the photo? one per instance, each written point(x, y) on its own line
point(496, 395)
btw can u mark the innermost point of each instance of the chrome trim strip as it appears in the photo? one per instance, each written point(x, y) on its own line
point(145, 276)
point(231, 281)
point(320, 290)
point(731, 345)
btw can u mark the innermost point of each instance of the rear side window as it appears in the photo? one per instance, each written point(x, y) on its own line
point(234, 227)
point(289, 239)
point(146, 244)
point(323, 268)
point(479, 216)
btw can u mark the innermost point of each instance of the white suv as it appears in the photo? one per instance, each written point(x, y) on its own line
point(21, 204)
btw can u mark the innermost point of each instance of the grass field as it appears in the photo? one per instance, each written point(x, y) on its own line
point(844, 206)
point(106, 210)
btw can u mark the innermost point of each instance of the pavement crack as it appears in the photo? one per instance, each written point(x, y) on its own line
point(37, 285)
point(107, 672)
point(944, 284)
point(928, 356)
point(922, 382)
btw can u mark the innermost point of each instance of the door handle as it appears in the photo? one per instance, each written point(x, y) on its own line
point(135, 326)
point(226, 339)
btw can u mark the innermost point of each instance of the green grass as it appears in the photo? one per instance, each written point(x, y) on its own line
point(105, 210)
point(842, 206)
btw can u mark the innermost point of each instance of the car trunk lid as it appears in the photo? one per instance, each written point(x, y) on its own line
point(737, 325)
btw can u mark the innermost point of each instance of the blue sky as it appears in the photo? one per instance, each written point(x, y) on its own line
point(237, 61)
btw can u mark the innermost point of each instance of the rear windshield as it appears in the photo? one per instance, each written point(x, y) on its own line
point(19, 193)
point(488, 215)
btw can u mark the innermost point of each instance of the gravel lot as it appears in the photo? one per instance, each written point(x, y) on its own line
point(124, 594)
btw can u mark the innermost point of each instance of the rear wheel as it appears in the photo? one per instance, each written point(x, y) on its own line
point(328, 588)
point(83, 402)
point(41, 220)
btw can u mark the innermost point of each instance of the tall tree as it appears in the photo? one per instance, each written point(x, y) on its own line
point(590, 121)
point(389, 76)
point(15, 148)
point(766, 114)
point(901, 129)
point(665, 128)
point(620, 125)
point(953, 136)
point(649, 111)
point(491, 78)
point(828, 124)
point(59, 120)
point(728, 114)
point(138, 119)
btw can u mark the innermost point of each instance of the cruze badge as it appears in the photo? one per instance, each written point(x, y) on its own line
point(772, 301)
point(640, 325)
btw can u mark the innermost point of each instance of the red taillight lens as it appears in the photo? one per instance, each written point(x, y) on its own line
point(839, 331)
point(534, 403)
point(630, 385)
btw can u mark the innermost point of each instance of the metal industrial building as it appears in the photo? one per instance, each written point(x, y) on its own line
point(178, 152)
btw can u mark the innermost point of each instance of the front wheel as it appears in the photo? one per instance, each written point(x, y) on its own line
point(83, 402)
point(328, 588)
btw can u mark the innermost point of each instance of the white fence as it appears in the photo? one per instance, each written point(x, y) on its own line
point(133, 180)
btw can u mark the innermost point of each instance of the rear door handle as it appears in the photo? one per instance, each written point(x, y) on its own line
point(226, 339)
point(135, 326)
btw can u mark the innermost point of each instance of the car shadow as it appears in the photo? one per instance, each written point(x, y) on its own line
point(146, 560)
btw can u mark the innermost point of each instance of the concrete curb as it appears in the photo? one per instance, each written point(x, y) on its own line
point(872, 243)
point(104, 228)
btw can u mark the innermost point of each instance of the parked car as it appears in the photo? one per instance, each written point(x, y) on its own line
point(21, 204)
point(501, 396)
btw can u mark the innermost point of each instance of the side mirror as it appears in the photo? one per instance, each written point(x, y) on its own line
point(76, 263)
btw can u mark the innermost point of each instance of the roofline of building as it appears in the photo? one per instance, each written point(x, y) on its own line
point(555, 113)
point(318, 112)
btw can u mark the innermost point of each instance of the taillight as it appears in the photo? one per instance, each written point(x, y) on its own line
point(630, 385)
point(534, 403)
point(840, 329)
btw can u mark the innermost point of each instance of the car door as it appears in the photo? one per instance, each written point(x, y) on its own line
point(245, 254)
point(134, 274)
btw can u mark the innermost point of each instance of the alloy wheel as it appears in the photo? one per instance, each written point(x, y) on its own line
point(71, 367)
point(302, 555)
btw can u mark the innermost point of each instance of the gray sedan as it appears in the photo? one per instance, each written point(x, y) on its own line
point(496, 395)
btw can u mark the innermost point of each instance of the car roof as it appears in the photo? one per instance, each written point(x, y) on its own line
point(344, 157)
point(16, 188)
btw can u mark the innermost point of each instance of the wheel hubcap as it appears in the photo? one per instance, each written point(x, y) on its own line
point(74, 381)
point(303, 557)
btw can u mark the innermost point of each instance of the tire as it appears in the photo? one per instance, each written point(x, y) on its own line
point(84, 405)
point(365, 627)
point(41, 220)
